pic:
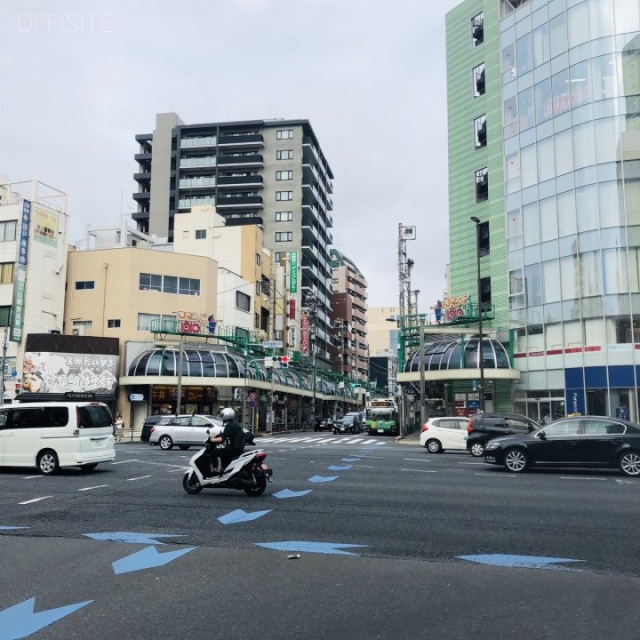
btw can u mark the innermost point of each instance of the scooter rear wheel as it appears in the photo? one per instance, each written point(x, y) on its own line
point(191, 483)
point(259, 487)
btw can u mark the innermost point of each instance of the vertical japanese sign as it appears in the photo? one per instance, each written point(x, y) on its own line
point(304, 338)
point(20, 275)
point(293, 271)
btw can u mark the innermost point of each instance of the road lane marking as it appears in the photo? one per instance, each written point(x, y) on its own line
point(420, 470)
point(99, 486)
point(138, 478)
point(496, 475)
point(31, 477)
point(577, 478)
point(417, 459)
point(176, 470)
point(125, 461)
point(35, 500)
point(480, 464)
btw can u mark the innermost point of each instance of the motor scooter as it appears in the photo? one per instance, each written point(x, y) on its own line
point(248, 472)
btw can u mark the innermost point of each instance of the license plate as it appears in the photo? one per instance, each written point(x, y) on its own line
point(380, 430)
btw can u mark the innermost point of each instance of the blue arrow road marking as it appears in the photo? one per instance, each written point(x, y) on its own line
point(287, 493)
point(146, 559)
point(350, 459)
point(242, 516)
point(338, 467)
point(323, 478)
point(21, 621)
point(132, 537)
point(10, 528)
point(526, 562)
point(312, 547)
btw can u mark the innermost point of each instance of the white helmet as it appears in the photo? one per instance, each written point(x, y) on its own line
point(227, 414)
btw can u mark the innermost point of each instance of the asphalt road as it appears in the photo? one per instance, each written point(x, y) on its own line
point(411, 517)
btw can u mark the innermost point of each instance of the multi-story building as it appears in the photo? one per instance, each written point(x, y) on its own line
point(544, 157)
point(347, 279)
point(267, 172)
point(33, 260)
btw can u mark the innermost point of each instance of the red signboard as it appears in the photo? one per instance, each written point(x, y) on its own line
point(304, 340)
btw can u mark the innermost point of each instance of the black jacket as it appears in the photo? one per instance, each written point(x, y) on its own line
point(234, 434)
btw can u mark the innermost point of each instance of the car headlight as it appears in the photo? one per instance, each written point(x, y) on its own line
point(492, 445)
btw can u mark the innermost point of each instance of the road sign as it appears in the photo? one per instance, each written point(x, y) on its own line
point(136, 397)
point(252, 395)
point(252, 404)
point(272, 344)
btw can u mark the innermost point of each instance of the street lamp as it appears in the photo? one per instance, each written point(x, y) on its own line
point(477, 222)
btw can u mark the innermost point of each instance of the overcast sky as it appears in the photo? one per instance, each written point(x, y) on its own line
point(81, 78)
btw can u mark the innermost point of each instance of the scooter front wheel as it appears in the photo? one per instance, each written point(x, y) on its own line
point(191, 483)
point(259, 487)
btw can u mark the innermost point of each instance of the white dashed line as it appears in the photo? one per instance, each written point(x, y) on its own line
point(138, 478)
point(576, 478)
point(125, 461)
point(96, 487)
point(31, 477)
point(35, 500)
point(420, 470)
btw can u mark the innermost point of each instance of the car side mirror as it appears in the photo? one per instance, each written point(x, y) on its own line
point(542, 435)
point(208, 431)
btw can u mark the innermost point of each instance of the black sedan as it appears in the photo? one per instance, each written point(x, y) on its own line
point(584, 441)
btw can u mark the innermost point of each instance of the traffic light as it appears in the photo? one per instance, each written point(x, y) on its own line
point(281, 361)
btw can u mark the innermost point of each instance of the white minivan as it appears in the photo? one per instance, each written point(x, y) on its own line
point(50, 435)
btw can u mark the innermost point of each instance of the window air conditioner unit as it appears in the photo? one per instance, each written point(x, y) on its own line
point(77, 331)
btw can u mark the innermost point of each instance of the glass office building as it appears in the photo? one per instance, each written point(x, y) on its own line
point(553, 88)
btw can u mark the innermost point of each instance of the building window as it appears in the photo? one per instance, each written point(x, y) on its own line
point(284, 195)
point(5, 316)
point(258, 259)
point(477, 29)
point(85, 325)
point(284, 154)
point(256, 320)
point(484, 242)
point(113, 324)
point(279, 256)
point(284, 216)
point(258, 288)
point(189, 287)
point(85, 284)
point(243, 301)
point(284, 236)
point(284, 175)
point(150, 282)
point(480, 131)
point(284, 134)
point(145, 319)
point(482, 185)
point(170, 284)
point(6, 272)
point(478, 80)
point(8, 231)
point(201, 234)
point(485, 294)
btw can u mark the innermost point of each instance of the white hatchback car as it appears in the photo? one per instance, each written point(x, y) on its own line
point(440, 434)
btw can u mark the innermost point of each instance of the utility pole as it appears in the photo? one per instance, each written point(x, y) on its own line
point(312, 302)
point(4, 361)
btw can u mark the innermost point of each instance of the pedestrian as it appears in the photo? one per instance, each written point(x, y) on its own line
point(211, 324)
point(119, 427)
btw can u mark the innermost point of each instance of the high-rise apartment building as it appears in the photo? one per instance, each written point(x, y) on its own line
point(544, 155)
point(267, 172)
point(348, 280)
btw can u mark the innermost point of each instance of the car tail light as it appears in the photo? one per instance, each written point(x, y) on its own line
point(470, 426)
point(425, 427)
point(152, 429)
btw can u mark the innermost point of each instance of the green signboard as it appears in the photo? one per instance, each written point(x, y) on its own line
point(293, 271)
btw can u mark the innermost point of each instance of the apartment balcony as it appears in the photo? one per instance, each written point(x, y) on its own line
point(203, 182)
point(187, 203)
point(142, 157)
point(142, 177)
point(239, 201)
point(240, 181)
point(142, 196)
point(197, 142)
point(253, 139)
point(198, 162)
point(241, 160)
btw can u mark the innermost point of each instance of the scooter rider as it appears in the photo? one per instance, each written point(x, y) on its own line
point(232, 435)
